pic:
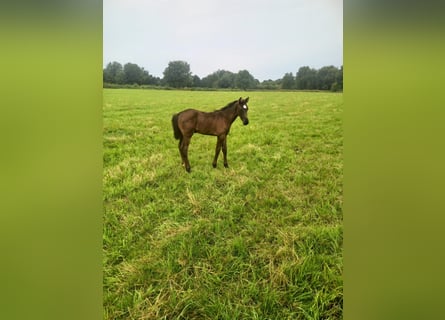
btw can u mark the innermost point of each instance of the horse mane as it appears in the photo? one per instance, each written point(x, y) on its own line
point(229, 105)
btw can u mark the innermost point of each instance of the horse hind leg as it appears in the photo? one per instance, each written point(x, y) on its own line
point(183, 148)
point(180, 151)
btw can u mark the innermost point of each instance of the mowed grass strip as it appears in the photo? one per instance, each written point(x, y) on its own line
point(259, 240)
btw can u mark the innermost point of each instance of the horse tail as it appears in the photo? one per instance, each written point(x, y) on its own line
point(176, 130)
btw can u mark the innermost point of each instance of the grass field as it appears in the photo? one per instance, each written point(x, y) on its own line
point(259, 240)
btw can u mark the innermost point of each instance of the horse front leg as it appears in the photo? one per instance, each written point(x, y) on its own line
point(217, 150)
point(224, 150)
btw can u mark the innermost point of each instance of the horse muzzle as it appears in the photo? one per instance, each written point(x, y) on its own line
point(246, 122)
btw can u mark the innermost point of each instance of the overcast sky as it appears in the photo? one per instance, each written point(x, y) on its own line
point(266, 37)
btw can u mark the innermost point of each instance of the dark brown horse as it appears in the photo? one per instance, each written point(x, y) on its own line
point(216, 123)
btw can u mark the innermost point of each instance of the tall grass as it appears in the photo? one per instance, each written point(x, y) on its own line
point(259, 240)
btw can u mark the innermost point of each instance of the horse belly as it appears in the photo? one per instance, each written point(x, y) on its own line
point(210, 125)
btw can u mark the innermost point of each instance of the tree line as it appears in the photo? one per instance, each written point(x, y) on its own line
point(178, 75)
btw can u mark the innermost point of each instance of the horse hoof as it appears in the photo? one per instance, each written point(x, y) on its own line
point(188, 170)
point(226, 165)
point(214, 165)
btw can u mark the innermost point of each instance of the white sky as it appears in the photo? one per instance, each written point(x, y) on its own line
point(266, 37)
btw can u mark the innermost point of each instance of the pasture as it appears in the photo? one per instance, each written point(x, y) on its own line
point(261, 239)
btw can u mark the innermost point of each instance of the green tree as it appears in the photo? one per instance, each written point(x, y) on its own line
point(339, 79)
point(210, 81)
point(326, 77)
point(177, 74)
point(288, 81)
point(133, 74)
point(306, 78)
point(113, 73)
point(149, 79)
point(227, 80)
point(196, 81)
point(269, 85)
point(219, 79)
point(244, 80)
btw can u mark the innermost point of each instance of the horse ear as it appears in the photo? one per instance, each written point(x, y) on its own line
point(247, 100)
point(240, 101)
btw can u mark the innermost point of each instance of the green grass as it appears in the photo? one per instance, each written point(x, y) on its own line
point(259, 240)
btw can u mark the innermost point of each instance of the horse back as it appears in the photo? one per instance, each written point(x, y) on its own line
point(210, 123)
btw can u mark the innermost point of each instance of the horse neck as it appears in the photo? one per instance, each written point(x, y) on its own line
point(231, 113)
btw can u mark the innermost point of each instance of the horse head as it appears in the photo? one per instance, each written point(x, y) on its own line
point(242, 109)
